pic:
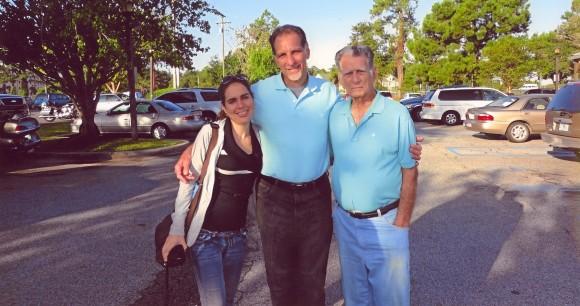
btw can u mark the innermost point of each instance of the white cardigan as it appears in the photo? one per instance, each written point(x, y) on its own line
point(187, 191)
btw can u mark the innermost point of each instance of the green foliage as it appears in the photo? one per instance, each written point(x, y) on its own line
point(462, 29)
point(78, 45)
point(569, 30)
point(508, 59)
point(255, 54)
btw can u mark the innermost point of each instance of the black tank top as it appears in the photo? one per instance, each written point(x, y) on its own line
point(236, 173)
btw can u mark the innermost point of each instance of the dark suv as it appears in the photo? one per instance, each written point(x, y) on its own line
point(52, 99)
point(563, 119)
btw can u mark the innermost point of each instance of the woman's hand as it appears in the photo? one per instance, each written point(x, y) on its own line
point(170, 243)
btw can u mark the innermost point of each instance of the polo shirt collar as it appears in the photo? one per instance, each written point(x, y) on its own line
point(376, 107)
point(311, 84)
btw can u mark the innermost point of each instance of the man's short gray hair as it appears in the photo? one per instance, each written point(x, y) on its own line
point(355, 51)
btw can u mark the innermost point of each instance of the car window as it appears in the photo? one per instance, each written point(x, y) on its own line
point(461, 94)
point(537, 104)
point(179, 97)
point(428, 95)
point(503, 101)
point(143, 108)
point(210, 95)
point(567, 98)
point(120, 109)
point(491, 95)
point(169, 106)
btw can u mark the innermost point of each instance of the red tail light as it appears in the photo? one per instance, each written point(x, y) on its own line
point(484, 117)
point(19, 128)
point(190, 117)
point(428, 104)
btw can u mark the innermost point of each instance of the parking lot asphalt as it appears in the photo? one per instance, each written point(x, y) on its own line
point(495, 223)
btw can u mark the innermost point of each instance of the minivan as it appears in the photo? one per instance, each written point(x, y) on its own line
point(449, 105)
point(563, 119)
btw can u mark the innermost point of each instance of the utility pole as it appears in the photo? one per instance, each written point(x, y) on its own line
point(222, 24)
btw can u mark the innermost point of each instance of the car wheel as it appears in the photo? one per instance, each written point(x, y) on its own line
point(159, 131)
point(49, 119)
point(450, 118)
point(208, 116)
point(518, 132)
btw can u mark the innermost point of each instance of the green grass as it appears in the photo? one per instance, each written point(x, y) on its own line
point(127, 144)
point(54, 130)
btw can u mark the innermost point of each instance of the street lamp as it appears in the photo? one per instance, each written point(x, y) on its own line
point(557, 73)
point(127, 10)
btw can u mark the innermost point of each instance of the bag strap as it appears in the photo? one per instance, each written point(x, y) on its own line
point(212, 144)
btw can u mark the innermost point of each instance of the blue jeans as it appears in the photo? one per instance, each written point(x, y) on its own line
point(374, 259)
point(218, 258)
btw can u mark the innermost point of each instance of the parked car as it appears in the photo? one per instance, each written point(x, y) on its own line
point(563, 119)
point(516, 117)
point(157, 118)
point(50, 99)
point(205, 100)
point(411, 95)
point(540, 91)
point(414, 105)
point(449, 104)
point(387, 94)
point(109, 100)
point(17, 128)
point(528, 87)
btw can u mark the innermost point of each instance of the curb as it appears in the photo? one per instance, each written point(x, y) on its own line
point(101, 156)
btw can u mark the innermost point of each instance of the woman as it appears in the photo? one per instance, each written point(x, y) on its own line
point(217, 234)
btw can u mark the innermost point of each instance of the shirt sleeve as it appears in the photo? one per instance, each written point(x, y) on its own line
point(406, 139)
point(186, 191)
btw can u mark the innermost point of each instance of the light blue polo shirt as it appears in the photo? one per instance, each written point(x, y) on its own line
point(294, 131)
point(368, 158)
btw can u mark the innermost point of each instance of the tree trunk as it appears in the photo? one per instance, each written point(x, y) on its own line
point(399, 53)
point(86, 106)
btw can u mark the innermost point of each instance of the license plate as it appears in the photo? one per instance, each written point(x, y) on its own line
point(564, 127)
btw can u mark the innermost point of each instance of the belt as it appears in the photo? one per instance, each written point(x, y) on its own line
point(289, 185)
point(379, 212)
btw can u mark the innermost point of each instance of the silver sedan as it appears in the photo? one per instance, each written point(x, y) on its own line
point(157, 118)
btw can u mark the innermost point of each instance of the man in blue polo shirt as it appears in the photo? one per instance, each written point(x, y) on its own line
point(294, 198)
point(374, 179)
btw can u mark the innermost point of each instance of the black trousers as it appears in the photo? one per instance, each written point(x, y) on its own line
point(296, 229)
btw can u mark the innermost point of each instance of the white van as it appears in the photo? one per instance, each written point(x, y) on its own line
point(450, 104)
point(528, 87)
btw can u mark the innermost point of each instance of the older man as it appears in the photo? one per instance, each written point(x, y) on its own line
point(294, 197)
point(374, 179)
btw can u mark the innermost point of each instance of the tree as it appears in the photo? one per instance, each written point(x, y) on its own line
point(373, 35)
point(468, 25)
point(255, 53)
point(401, 15)
point(507, 58)
point(78, 45)
point(569, 30)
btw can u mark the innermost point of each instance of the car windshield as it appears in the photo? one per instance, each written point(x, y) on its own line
point(169, 106)
point(503, 101)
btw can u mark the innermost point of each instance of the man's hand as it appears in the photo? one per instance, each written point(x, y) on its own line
point(182, 165)
point(170, 243)
point(416, 149)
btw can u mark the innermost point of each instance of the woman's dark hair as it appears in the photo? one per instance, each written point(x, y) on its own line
point(226, 82)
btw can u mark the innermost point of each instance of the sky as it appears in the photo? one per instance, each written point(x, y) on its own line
point(328, 23)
